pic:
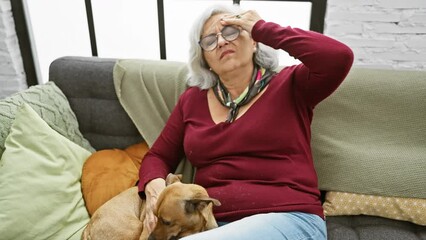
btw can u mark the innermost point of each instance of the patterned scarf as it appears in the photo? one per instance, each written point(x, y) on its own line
point(259, 81)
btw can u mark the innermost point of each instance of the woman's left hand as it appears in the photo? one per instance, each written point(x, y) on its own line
point(246, 20)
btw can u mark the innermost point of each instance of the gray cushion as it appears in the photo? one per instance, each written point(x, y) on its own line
point(372, 228)
point(88, 85)
point(53, 107)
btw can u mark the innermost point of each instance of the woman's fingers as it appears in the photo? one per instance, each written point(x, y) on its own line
point(150, 221)
point(246, 20)
point(152, 191)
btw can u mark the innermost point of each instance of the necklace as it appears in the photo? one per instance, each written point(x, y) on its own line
point(258, 82)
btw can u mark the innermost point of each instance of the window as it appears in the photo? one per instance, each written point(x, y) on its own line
point(131, 29)
point(296, 14)
point(59, 30)
point(126, 29)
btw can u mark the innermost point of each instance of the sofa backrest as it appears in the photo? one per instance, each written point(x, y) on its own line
point(87, 82)
point(369, 137)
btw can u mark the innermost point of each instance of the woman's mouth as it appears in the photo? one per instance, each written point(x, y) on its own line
point(226, 53)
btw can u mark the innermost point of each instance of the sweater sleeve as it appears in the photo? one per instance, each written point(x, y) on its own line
point(166, 152)
point(325, 61)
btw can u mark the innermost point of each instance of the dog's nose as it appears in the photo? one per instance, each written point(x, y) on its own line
point(174, 238)
point(151, 237)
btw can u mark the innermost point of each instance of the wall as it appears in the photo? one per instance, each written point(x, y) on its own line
point(382, 33)
point(12, 75)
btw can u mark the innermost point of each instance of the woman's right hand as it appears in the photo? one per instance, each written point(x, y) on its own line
point(152, 190)
point(246, 20)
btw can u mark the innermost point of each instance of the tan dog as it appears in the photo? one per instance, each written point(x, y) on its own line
point(182, 210)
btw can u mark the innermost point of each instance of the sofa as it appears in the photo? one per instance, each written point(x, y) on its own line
point(368, 142)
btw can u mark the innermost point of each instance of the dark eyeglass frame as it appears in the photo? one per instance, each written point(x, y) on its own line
point(228, 37)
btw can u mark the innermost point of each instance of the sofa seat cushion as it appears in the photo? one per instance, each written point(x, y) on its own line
point(372, 228)
point(40, 190)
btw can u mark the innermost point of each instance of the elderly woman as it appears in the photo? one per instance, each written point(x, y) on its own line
point(246, 128)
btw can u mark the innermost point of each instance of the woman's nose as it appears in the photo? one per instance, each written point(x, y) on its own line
point(221, 41)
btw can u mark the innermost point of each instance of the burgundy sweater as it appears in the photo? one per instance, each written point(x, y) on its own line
point(262, 162)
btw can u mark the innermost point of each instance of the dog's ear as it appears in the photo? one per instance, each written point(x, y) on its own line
point(172, 178)
point(198, 204)
point(203, 206)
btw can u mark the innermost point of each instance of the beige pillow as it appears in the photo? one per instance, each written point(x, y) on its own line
point(405, 209)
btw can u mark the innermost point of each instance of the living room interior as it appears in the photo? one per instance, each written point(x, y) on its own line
point(91, 38)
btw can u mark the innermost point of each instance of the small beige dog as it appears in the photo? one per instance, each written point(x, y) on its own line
point(182, 210)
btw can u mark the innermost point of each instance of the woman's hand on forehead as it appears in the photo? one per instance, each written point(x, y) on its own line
point(245, 20)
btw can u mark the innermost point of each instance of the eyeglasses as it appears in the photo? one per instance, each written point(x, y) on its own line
point(209, 42)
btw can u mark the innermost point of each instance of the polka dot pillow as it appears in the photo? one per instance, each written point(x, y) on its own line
point(405, 209)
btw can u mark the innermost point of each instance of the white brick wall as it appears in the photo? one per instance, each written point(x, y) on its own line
point(12, 75)
point(382, 33)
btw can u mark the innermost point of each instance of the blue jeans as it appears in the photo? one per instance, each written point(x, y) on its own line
point(273, 226)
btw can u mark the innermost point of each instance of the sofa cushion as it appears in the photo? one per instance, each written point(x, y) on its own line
point(372, 228)
point(108, 172)
point(51, 104)
point(40, 190)
point(405, 209)
point(150, 86)
point(369, 136)
point(87, 83)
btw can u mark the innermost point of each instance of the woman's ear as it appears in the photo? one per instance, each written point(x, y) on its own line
point(254, 46)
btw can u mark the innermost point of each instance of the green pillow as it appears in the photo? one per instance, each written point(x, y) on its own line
point(53, 107)
point(40, 190)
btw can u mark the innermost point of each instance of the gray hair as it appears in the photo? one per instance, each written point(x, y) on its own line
point(199, 72)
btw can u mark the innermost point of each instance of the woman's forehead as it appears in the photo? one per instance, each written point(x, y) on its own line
point(213, 22)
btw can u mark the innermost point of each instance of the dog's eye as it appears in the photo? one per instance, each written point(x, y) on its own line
point(165, 222)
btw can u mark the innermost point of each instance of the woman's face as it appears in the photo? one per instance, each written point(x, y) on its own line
point(228, 55)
